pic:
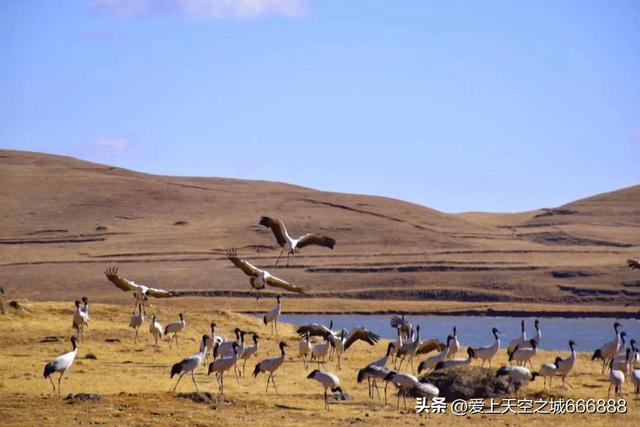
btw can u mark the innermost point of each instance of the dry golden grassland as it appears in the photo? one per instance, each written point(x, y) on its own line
point(133, 379)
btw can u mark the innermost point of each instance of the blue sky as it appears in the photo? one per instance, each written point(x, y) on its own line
point(456, 105)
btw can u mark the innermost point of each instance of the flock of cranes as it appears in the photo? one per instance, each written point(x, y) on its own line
point(318, 343)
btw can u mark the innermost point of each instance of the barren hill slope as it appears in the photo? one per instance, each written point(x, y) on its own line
point(62, 221)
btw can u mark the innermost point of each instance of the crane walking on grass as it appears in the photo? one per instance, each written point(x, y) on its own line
point(271, 366)
point(190, 363)
point(609, 350)
point(156, 330)
point(80, 318)
point(222, 365)
point(61, 364)
point(175, 328)
point(272, 316)
point(137, 319)
point(488, 352)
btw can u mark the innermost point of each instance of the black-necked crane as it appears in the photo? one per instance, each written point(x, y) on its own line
point(238, 346)
point(329, 381)
point(225, 348)
point(175, 328)
point(259, 279)
point(215, 337)
point(85, 313)
point(337, 345)
point(271, 365)
point(409, 349)
point(140, 292)
point(85, 307)
point(522, 355)
point(431, 362)
point(189, 364)
point(320, 350)
point(316, 330)
point(454, 363)
point(360, 333)
point(621, 355)
point(635, 360)
point(408, 384)
point(272, 316)
point(305, 348)
point(137, 319)
point(373, 373)
point(397, 345)
point(384, 359)
point(290, 244)
point(566, 365)
point(155, 328)
point(538, 336)
point(610, 349)
point(518, 376)
point(622, 362)
point(455, 344)
point(250, 351)
point(403, 326)
point(80, 319)
point(549, 370)
point(518, 342)
point(616, 380)
point(61, 364)
point(222, 365)
point(488, 352)
point(341, 342)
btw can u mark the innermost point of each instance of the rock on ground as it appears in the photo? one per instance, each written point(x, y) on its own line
point(469, 382)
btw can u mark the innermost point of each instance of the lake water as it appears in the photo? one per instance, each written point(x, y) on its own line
point(588, 333)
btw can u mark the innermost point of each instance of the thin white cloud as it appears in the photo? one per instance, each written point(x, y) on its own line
point(210, 9)
point(115, 143)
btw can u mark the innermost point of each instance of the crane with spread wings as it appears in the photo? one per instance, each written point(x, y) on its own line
point(259, 279)
point(140, 292)
point(290, 244)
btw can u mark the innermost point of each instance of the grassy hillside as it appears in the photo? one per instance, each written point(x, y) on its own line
point(63, 221)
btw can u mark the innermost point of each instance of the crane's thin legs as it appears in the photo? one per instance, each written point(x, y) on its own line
point(194, 381)
point(385, 393)
point(52, 384)
point(175, 386)
point(281, 252)
point(375, 385)
point(59, 379)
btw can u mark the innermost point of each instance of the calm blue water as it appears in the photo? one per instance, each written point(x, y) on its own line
point(588, 333)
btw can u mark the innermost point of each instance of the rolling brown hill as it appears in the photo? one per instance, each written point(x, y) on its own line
point(63, 221)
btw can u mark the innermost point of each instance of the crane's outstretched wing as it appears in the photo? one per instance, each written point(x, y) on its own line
point(316, 239)
point(160, 293)
point(249, 270)
point(120, 282)
point(360, 333)
point(430, 345)
point(277, 227)
point(314, 329)
point(279, 283)
point(633, 264)
point(401, 324)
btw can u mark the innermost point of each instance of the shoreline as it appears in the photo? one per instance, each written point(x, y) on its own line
point(473, 313)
